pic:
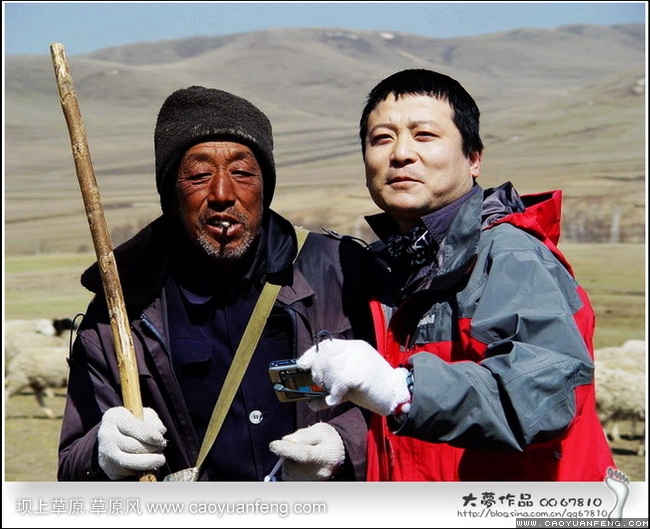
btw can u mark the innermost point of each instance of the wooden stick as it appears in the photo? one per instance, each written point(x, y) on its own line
point(124, 348)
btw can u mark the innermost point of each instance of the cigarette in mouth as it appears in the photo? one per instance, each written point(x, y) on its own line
point(224, 226)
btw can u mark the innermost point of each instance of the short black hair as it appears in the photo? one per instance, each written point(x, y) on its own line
point(420, 81)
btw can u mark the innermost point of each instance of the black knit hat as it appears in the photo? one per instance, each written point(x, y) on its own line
point(196, 114)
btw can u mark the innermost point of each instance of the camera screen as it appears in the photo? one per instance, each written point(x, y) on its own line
point(291, 383)
point(299, 381)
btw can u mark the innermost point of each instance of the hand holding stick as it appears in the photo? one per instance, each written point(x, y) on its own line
point(122, 337)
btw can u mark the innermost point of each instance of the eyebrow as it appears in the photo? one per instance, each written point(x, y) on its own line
point(410, 124)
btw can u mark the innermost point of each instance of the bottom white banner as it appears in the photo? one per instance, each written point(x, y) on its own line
point(468, 504)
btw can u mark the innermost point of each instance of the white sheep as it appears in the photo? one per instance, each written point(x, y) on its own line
point(19, 333)
point(35, 356)
point(39, 368)
point(22, 334)
point(38, 325)
point(637, 346)
point(620, 388)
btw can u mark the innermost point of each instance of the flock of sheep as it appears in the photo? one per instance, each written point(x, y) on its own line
point(36, 353)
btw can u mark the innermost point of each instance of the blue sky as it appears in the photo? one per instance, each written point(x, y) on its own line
point(83, 27)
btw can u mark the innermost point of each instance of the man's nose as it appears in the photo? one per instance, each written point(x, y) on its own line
point(403, 149)
point(222, 188)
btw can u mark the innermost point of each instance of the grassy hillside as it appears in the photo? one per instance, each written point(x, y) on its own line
point(560, 109)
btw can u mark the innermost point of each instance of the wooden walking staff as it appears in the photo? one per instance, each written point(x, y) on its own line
point(124, 349)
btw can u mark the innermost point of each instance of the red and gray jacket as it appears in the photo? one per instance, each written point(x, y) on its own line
point(499, 337)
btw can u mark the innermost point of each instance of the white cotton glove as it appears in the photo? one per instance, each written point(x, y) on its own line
point(127, 445)
point(353, 370)
point(310, 454)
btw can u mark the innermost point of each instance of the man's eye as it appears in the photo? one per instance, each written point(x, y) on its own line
point(198, 176)
point(378, 139)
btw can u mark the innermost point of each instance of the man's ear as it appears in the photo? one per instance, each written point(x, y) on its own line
point(475, 159)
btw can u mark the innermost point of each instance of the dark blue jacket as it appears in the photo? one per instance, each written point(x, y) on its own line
point(323, 291)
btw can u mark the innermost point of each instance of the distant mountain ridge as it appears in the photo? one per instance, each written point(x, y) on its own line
point(582, 81)
point(298, 59)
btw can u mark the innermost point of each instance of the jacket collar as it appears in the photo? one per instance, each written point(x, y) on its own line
point(479, 209)
point(144, 261)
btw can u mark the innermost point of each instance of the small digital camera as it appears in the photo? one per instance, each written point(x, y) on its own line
point(292, 383)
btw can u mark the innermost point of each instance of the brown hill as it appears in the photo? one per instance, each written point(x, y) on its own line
point(561, 108)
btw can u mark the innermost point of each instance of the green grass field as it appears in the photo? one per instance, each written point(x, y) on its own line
point(615, 278)
point(47, 286)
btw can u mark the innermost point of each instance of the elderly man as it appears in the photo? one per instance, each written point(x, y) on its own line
point(191, 280)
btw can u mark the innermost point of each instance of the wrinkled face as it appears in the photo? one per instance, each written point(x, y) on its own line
point(414, 158)
point(219, 197)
